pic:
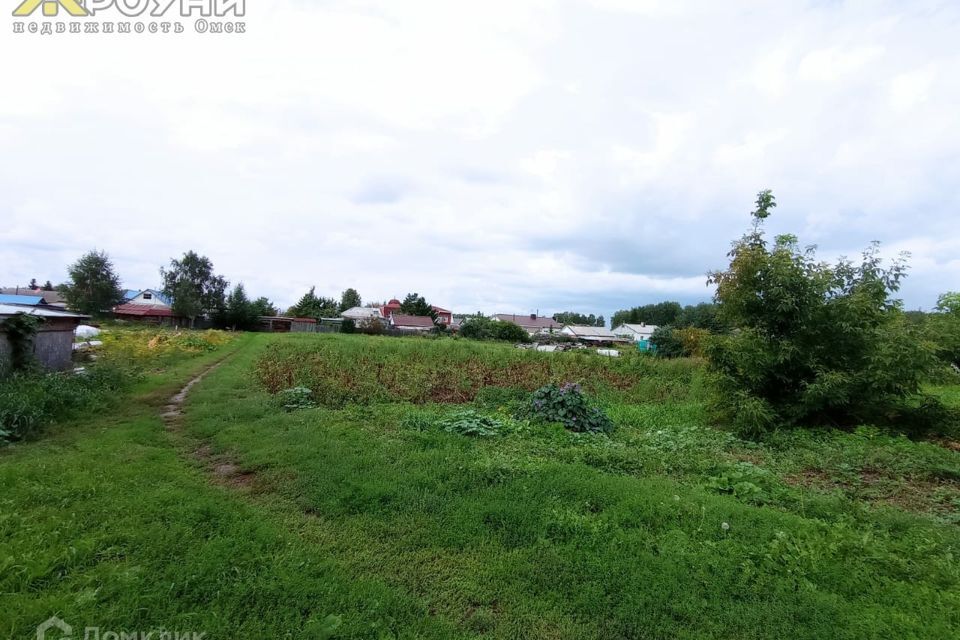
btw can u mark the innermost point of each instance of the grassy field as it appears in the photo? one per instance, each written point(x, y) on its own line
point(362, 518)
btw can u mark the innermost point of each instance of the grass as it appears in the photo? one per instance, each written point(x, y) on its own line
point(367, 508)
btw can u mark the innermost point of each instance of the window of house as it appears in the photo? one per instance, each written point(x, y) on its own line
point(148, 296)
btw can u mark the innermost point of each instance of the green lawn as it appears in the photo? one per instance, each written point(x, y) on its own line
point(363, 509)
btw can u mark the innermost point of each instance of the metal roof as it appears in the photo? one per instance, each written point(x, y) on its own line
point(7, 309)
point(15, 299)
point(158, 310)
point(400, 320)
point(582, 331)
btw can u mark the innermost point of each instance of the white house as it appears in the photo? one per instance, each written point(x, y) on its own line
point(636, 332)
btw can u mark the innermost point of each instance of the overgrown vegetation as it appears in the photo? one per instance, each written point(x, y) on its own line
point(567, 405)
point(20, 330)
point(482, 328)
point(362, 369)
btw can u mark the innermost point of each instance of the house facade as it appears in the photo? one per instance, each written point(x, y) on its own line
point(150, 306)
point(639, 333)
point(444, 316)
point(403, 322)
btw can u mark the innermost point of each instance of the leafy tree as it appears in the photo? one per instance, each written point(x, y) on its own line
point(33, 284)
point(348, 326)
point(349, 299)
point(313, 306)
point(943, 327)
point(416, 305)
point(48, 286)
point(949, 302)
point(814, 343)
point(263, 307)
point(195, 289)
point(667, 342)
point(94, 287)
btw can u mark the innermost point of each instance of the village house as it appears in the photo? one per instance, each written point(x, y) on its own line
point(532, 323)
point(52, 298)
point(53, 344)
point(639, 333)
point(148, 305)
point(362, 314)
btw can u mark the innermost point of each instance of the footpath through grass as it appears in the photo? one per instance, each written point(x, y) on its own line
point(364, 509)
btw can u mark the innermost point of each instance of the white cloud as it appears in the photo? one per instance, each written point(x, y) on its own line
point(502, 155)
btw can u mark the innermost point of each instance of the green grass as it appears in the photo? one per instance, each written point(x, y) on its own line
point(367, 509)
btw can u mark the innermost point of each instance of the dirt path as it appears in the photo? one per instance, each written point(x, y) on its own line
point(222, 469)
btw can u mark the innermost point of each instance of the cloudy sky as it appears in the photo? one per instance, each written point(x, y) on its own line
point(506, 156)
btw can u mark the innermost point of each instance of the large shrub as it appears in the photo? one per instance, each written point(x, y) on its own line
point(480, 328)
point(813, 343)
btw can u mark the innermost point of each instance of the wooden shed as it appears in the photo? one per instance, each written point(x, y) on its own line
point(53, 344)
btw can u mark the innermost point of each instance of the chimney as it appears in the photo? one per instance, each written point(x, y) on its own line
point(533, 316)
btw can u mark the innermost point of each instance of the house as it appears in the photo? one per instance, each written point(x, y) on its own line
point(53, 344)
point(444, 316)
point(403, 322)
point(639, 333)
point(147, 296)
point(148, 305)
point(283, 324)
point(533, 323)
point(590, 334)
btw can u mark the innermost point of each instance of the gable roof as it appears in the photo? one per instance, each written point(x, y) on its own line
point(525, 321)
point(638, 328)
point(420, 322)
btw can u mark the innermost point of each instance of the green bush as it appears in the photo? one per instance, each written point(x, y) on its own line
point(480, 328)
point(567, 405)
point(814, 343)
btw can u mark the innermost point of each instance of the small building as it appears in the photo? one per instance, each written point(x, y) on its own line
point(149, 313)
point(639, 333)
point(533, 323)
point(403, 322)
point(52, 298)
point(284, 324)
point(53, 344)
point(444, 316)
point(595, 335)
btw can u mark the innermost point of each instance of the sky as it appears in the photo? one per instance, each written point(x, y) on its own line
point(505, 156)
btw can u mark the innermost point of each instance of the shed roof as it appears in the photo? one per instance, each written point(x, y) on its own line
point(421, 322)
point(638, 328)
point(43, 311)
point(594, 333)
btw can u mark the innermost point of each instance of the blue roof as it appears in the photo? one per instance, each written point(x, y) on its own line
point(130, 294)
point(15, 299)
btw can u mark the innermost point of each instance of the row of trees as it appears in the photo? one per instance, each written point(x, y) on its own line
point(671, 314)
point(572, 317)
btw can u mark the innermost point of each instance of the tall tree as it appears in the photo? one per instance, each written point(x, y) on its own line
point(582, 319)
point(48, 286)
point(416, 305)
point(239, 313)
point(94, 286)
point(349, 299)
point(196, 290)
point(33, 284)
